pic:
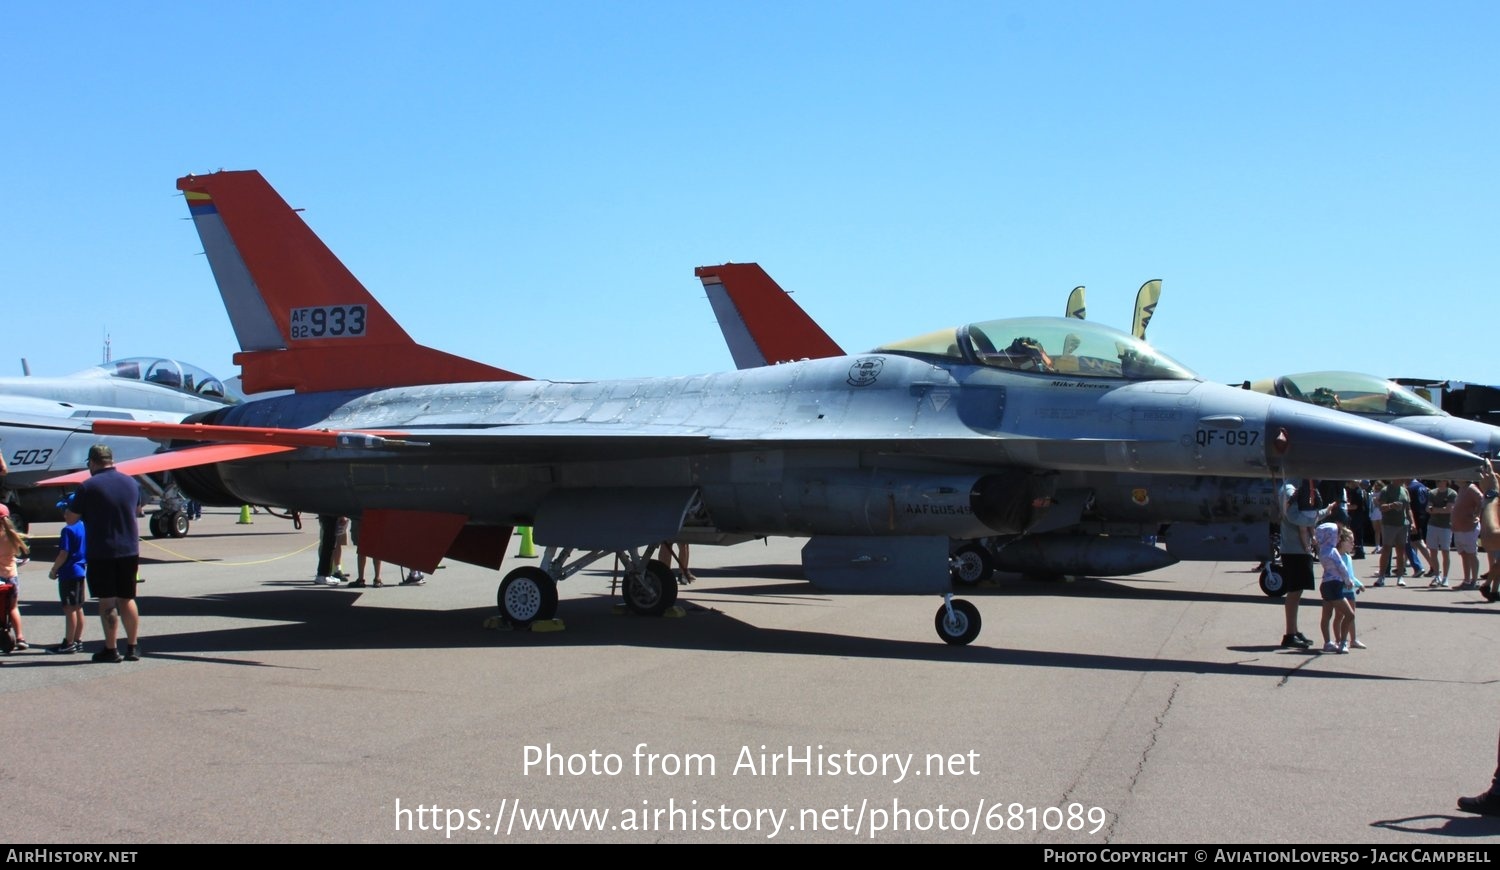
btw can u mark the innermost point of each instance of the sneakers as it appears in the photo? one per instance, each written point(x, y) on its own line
point(331, 580)
point(108, 655)
point(1343, 646)
point(1433, 573)
point(1400, 582)
point(1355, 644)
point(1330, 646)
point(1487, 804)
point(132, 652)
point(1379, 581)
point(415, 578)
point(1295, 641)
point(339, 574)
point(66, 648)
point(21, 644)
point(1435, 582)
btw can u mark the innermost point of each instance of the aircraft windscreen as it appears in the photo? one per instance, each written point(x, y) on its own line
point(1356, 393)
point(1050, 345)
point(175, 374)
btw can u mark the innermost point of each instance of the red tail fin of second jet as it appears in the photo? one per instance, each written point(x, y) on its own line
point(303, 321)
point(760, 322)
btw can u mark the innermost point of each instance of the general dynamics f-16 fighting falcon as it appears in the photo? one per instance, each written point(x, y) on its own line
point(1090, 522)
point(880, 458)
point(44, 422)
point(1376, 398)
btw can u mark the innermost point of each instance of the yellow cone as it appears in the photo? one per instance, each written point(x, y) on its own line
point(244, 515)
point(528, 549)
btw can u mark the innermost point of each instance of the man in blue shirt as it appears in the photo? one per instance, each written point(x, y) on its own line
point(107, 504)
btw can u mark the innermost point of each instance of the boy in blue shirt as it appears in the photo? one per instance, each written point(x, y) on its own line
point(68, 570)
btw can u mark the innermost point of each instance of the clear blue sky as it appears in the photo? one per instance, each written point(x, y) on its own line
point(531, 184)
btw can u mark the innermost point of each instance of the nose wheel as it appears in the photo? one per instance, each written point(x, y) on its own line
point(957, 622)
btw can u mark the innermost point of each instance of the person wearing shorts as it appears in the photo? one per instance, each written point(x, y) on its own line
point(107, 503)
point(1301, 510)
point(68, 570)
point(1395, 518)
point(1466, 532)
point(1440, 529)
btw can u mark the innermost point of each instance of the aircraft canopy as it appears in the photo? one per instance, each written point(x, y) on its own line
point(1053, 345)
point(173, 374)
point(1356, 393)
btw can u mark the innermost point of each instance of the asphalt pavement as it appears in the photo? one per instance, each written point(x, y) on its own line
point(1155, 709)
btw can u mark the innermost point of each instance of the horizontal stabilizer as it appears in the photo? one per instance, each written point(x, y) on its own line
point(191, 457)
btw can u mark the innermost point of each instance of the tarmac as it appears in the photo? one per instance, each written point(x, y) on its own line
point(1149, 710)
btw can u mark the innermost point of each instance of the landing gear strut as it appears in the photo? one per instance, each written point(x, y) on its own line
point(957, 621)
point(529, 593)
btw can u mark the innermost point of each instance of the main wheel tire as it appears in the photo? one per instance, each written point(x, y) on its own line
point(526, 595)
point(156, 527)
point(959, 628)
point(177, 524)
point(652, 592)
point(971, 565)
point(1271, 582)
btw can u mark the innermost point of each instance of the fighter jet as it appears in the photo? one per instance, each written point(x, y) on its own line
point(879, 458)
point(45, 425)
point(1377, 398)
point(1093, 522)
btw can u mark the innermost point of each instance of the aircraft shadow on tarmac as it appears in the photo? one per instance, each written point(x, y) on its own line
point(308, 618)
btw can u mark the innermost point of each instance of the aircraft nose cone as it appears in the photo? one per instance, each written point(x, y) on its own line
point(1307, 441)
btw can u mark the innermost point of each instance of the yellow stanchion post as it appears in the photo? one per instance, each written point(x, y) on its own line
point(528, 549)
point(245, 515)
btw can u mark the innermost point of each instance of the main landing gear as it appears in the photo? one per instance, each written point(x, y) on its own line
point(166, 523)
point(529, 594)
point(971, 564)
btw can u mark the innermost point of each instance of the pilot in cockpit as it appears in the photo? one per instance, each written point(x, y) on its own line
point(1325, 397)
point(1026, 354)
point(165, 376)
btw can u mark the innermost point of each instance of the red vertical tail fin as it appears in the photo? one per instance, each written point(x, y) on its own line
point(303, 321)
point(760, 322)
